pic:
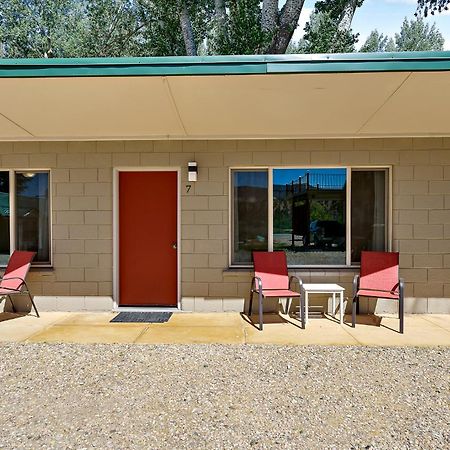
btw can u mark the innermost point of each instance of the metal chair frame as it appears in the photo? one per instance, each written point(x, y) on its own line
point(258, 288)
point(18, 292)
point(401, 301)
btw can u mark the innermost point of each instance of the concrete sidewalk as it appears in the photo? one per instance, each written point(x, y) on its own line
point(224, 328)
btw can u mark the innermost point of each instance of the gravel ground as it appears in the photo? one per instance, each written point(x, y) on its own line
point(212, 396)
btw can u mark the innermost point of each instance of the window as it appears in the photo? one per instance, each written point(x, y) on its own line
point(369, 211)
point(24, 214)
point(250, 214)
point(318, 216)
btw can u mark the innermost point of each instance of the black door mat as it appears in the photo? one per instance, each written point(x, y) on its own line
point(146, 317)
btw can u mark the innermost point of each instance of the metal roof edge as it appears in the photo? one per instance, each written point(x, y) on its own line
point(225, 65)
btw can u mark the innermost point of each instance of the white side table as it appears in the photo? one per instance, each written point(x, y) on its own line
point(321, 288)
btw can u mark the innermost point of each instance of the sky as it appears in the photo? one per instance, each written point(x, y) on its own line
point(384, 15)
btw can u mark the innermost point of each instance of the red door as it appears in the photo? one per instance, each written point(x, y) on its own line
point(148, 238)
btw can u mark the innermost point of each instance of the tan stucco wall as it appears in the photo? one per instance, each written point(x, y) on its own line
point(83, 198)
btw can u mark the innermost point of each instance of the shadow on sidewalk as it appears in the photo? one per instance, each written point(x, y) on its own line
point(4, 316)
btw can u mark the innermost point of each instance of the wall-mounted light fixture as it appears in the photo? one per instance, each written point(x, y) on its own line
point(192, 171)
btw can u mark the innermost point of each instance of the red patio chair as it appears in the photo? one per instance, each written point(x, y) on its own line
point(379, 278)
point(13, 280)
point(271, 280)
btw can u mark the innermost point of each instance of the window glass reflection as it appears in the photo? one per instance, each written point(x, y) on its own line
point(32, 214)
point(309, 215)
point(369, 217)
point(4, 218)
point(250, 214)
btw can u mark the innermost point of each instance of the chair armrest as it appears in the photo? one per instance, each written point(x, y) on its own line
point(401, 286)
point(12, 278)
point(13, 289)
point(254, 281)
point(299, 281)
point(355, 284)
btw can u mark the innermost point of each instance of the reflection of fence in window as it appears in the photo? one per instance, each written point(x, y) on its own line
point(309, 207)
point(317, 181)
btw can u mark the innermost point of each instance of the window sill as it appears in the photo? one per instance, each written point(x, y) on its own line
point(42, 268)
point(238, 269)
point(35, 268)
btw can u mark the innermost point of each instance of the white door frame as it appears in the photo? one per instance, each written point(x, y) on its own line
point(116, 171)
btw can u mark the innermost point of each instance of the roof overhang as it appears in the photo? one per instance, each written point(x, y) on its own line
point(263, 97)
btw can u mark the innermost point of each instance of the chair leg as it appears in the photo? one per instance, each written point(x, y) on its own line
point(250, 303)
point(355, 303)
point(401, 313)
point(12, 303)
point(34, 305)
point(302, 311)
point(260, 311)
point(288, 305)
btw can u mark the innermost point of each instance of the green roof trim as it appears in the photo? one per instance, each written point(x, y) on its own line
point(225, 65)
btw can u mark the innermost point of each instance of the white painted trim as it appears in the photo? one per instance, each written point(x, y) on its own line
point(230, 215)
point(348, 219)
point(116, 171)
point(12, 211)
point(270, 209)
point(389, 206)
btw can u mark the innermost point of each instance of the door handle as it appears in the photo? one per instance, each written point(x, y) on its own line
point(174, 245)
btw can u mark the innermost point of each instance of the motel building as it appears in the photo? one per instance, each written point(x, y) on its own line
point(148, 182)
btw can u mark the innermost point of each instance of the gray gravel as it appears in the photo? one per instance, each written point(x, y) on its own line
point(212, 396)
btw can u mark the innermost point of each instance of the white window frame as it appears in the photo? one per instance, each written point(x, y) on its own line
point(12, 212)
point(348, 224)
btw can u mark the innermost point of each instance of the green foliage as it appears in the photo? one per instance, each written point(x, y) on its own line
point(161, 33)
point(37, 29)
point(77, 28)
point(322, 35)
point(334, 7)
point(83, 28)
point(111, 28)
point(390, 46)
point(426, 7)
point(324, 32)
point(415, 35)
point(240, 32)
point(376, 42)
point(245, 34)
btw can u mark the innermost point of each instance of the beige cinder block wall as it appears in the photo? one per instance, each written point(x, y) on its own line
point(82, 201)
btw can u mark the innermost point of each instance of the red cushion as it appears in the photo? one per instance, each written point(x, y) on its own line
point(379, 271)
point(18, 266)
point(271, 268)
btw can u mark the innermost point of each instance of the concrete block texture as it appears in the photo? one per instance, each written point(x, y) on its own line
point(82, 203)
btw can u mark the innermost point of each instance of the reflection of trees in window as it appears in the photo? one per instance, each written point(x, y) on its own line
point(4, 217)
point(32, 214)
point(250, 214)
point(309, 214)
point(369, 230)
point(309, 206)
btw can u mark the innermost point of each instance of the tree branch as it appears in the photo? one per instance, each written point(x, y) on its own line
point(287, 23)
point(346, 17)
